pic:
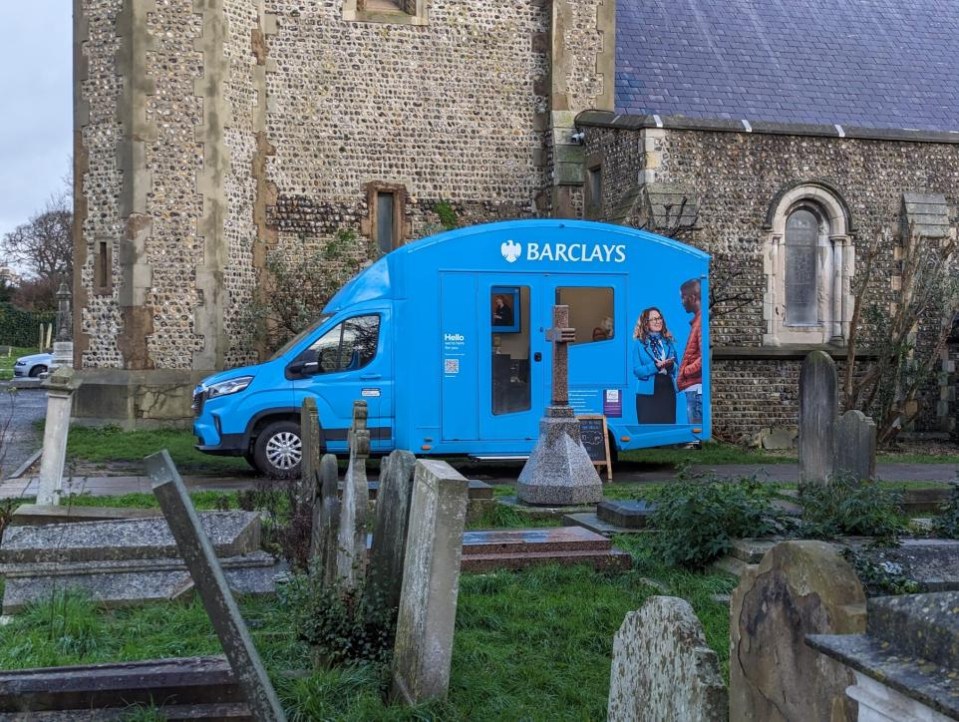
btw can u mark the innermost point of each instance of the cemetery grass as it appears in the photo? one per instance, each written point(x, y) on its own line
point(110, 444)
point(7, 361)
point(531, 645)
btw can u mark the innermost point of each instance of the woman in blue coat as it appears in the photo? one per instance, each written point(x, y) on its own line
point(654, 366)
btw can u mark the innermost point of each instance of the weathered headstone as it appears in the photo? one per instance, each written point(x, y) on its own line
point(817, 417)
point(559, 471)
point(663, 670)
point(307, 488)
point(427, 613)
point(856, 446)
point(390, 527)
point(351, 539)
point(60, 388)
point(221, 607)
point(799, 588)
point(907, 664)
point(326, 522)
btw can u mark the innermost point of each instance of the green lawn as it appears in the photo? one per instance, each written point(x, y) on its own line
point(8, 359)
point(531, 645)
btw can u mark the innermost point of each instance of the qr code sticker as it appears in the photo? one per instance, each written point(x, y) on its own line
point(451, 366)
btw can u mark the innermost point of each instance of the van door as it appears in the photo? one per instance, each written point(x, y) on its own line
point(351, 361)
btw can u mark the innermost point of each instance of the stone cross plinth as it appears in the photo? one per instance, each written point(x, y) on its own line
point(559, 472)
point(60, 387)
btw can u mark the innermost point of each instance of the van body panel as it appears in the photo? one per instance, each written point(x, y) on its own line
point(463, 363)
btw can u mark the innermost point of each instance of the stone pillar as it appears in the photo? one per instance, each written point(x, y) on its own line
point(818, 403)
point(431, 570)
point(351, 539)
point(60, 387)
point(559, 472)
point(63, 343)
point(306, 490)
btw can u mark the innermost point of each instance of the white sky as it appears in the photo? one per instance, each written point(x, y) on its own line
point(36, 106)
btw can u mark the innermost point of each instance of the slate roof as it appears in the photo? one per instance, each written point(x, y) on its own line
point(890, 64)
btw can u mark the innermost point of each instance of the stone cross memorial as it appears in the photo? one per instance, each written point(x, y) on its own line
point(559, 472)
point(221, 607)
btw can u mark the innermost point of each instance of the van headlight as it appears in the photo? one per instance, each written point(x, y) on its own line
point(225, 388)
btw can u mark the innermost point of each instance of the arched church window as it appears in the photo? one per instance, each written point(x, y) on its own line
point(802, 277)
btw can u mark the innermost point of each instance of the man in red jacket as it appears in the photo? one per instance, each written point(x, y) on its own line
point(690, 377)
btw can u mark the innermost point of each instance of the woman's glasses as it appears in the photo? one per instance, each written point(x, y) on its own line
point(654, 319)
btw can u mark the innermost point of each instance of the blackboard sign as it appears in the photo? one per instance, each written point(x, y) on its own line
point(592, 430)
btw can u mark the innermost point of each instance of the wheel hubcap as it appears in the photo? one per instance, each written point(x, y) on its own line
point(284, 450)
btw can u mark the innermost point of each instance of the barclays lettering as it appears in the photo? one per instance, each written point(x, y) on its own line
point(575, 252)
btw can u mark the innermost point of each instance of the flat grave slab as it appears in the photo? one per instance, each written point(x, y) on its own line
point(632, 514)
point(593, 523)
point(522, 548)
point(37, 514)
point(232, 533)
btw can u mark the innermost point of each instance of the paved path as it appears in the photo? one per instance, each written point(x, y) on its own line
point(20, 410)
point(506, 474)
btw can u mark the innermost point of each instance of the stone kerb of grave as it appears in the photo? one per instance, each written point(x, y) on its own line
point(799, 588)
point(906, 665)
point(126, 561)
point(663, 670)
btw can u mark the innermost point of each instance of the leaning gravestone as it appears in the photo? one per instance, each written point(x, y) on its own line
point(306, 488)
point(817, 417)
point(856, 446)
point(221, 607)
point(390, 526)
point(427, 613)
point(663, 670)
point(799, 588)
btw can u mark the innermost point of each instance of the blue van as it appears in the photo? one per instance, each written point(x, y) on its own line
point(446, 340)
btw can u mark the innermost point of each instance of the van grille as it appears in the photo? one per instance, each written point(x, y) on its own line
point(198, 399)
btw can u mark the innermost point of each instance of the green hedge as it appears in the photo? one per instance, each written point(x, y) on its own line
point(22, 328)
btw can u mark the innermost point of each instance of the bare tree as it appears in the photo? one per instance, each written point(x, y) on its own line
point(44, 244)
point(904, 340)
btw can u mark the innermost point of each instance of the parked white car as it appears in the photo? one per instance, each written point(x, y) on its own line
point(32, 365)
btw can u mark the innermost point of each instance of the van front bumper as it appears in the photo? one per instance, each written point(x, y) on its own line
point(211, 441)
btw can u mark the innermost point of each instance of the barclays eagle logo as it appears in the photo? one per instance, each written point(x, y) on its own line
point(511, 250)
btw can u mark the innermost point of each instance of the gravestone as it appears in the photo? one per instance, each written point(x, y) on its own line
point(60, 386)
point(817, 417)
point(663, 670)
point(856, 446)
point(390, 527)
point(351, 537)
point(326, 522)
point(799, 588)
point(221, 607)
point(307, 488)
point(427, 612)
point(559, 471)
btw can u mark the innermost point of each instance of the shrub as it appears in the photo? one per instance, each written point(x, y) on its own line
point(946, 523)
point(343, 626)
point(847, 506)
point(697, 519)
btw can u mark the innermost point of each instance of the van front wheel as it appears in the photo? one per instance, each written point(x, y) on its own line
point(279, 449)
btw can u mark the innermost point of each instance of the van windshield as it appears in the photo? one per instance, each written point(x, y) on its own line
point(300, 336)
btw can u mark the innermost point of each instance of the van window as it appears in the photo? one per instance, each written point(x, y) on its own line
point(348, 345)
point(590, 312)
point(509, 336)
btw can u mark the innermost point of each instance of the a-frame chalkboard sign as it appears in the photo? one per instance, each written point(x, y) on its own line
point(592, 430)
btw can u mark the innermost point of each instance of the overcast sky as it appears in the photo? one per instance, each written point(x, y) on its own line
point(36, 106)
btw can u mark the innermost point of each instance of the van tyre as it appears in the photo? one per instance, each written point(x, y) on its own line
point(279, 449)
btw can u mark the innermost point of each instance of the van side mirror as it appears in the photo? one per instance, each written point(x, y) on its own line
point(305, 365)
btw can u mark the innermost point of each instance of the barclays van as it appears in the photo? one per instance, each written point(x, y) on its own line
point(445, 339)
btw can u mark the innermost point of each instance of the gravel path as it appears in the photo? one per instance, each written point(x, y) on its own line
point(19, 411)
